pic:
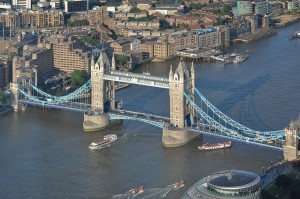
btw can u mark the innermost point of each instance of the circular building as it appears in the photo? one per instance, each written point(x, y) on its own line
point(226, 184)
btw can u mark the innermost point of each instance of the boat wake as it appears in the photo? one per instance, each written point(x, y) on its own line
point(155, 193)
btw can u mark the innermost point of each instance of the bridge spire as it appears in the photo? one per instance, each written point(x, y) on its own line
point(113, 62)
point(171, 72)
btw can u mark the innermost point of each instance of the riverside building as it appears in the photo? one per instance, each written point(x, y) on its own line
point(226, 184)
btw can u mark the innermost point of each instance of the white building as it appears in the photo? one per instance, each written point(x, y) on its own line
point(135, 45)
point(22, 3)
point(55, 4)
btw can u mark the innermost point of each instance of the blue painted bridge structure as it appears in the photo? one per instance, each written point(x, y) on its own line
point(209, 120)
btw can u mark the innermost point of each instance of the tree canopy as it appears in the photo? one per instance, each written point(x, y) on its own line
point(134, 10)
point(3, 98)
point(77, 78)
point(163, 25)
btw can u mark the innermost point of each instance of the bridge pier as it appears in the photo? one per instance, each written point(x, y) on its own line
point(94, 122)
point(174, 137)
point(14, 100)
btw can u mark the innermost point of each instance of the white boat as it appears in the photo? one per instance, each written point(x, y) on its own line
point(146, 73)
point(106, 140)
point(239, 59)
point(222, 145)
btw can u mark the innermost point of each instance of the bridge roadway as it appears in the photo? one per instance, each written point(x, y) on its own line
point(155, 120)
point(70, 106)
point(134, 78)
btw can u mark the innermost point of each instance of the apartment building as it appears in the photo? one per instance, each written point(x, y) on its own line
point(70, 55)
point(32, 19)
point(183, 39)
point(42, 58)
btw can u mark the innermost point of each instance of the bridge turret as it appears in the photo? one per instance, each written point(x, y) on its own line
point(291, 146)
point(102, 95)
point(181, 113)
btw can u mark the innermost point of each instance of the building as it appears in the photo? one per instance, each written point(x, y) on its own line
point(22, 3)
point(40, 57)
point(244, 8)
point(291, 150)
point(183, 39)
point(252, 7)
point(292, 5)
point(76, 5)
point(121, 46)
point(226, 184)
point(262, 8)
point(55, 4)
point(32, 19)
point(4, 72)
point(70, 54)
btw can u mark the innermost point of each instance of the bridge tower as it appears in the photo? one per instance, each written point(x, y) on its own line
point(102, 95)
point(291, 146)
point(182, 114)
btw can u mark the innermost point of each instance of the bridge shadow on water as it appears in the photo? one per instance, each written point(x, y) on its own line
point(241, 92)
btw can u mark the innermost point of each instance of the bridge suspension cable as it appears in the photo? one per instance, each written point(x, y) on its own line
point(232, 122)
point(230, 132)
point(85, 88)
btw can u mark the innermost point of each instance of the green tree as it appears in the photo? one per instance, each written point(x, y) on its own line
point(266, 195)
point(294, 189)
point(77, 78)
point(122, 60)
point(283, 181)
point(3, 98)
point(163, 25)
point(227, 9)
point(134, 10)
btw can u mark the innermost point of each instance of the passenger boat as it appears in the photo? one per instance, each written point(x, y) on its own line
point(222, 145)
point(107, 139)
point(136, 190)
point(178, 184)
point(239, 59)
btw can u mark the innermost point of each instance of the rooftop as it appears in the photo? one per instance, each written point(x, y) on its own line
point(231, 178)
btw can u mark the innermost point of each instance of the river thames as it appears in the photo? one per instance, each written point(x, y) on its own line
point(45, 154)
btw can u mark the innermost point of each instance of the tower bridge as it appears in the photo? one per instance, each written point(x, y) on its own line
point(191, 114)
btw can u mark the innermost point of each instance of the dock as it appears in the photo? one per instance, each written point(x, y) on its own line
point(256, 36)
point(198, 53)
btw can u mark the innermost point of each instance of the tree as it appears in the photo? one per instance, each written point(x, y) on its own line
point(77, 78)
point(227, 9)
point(122, 60)
point(134, 10)
point(282, 181)
point(163, 25)
point(266, 195)
point(294, 189)
point(3, 98)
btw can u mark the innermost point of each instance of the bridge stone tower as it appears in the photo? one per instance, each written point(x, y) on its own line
point(102, 95)
point(181, 112)
point(291, 146)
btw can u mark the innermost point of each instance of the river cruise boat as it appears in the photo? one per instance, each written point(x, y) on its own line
point(222, 145)
point(106, 140)
point(136, 190)
point(178, 184)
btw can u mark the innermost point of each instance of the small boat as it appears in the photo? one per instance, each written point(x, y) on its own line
point(136, 190)
point(222, 145)
point(106, 140)
point(233, 54)
point(239, 59)
point(178, 184)
point(146, 73)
